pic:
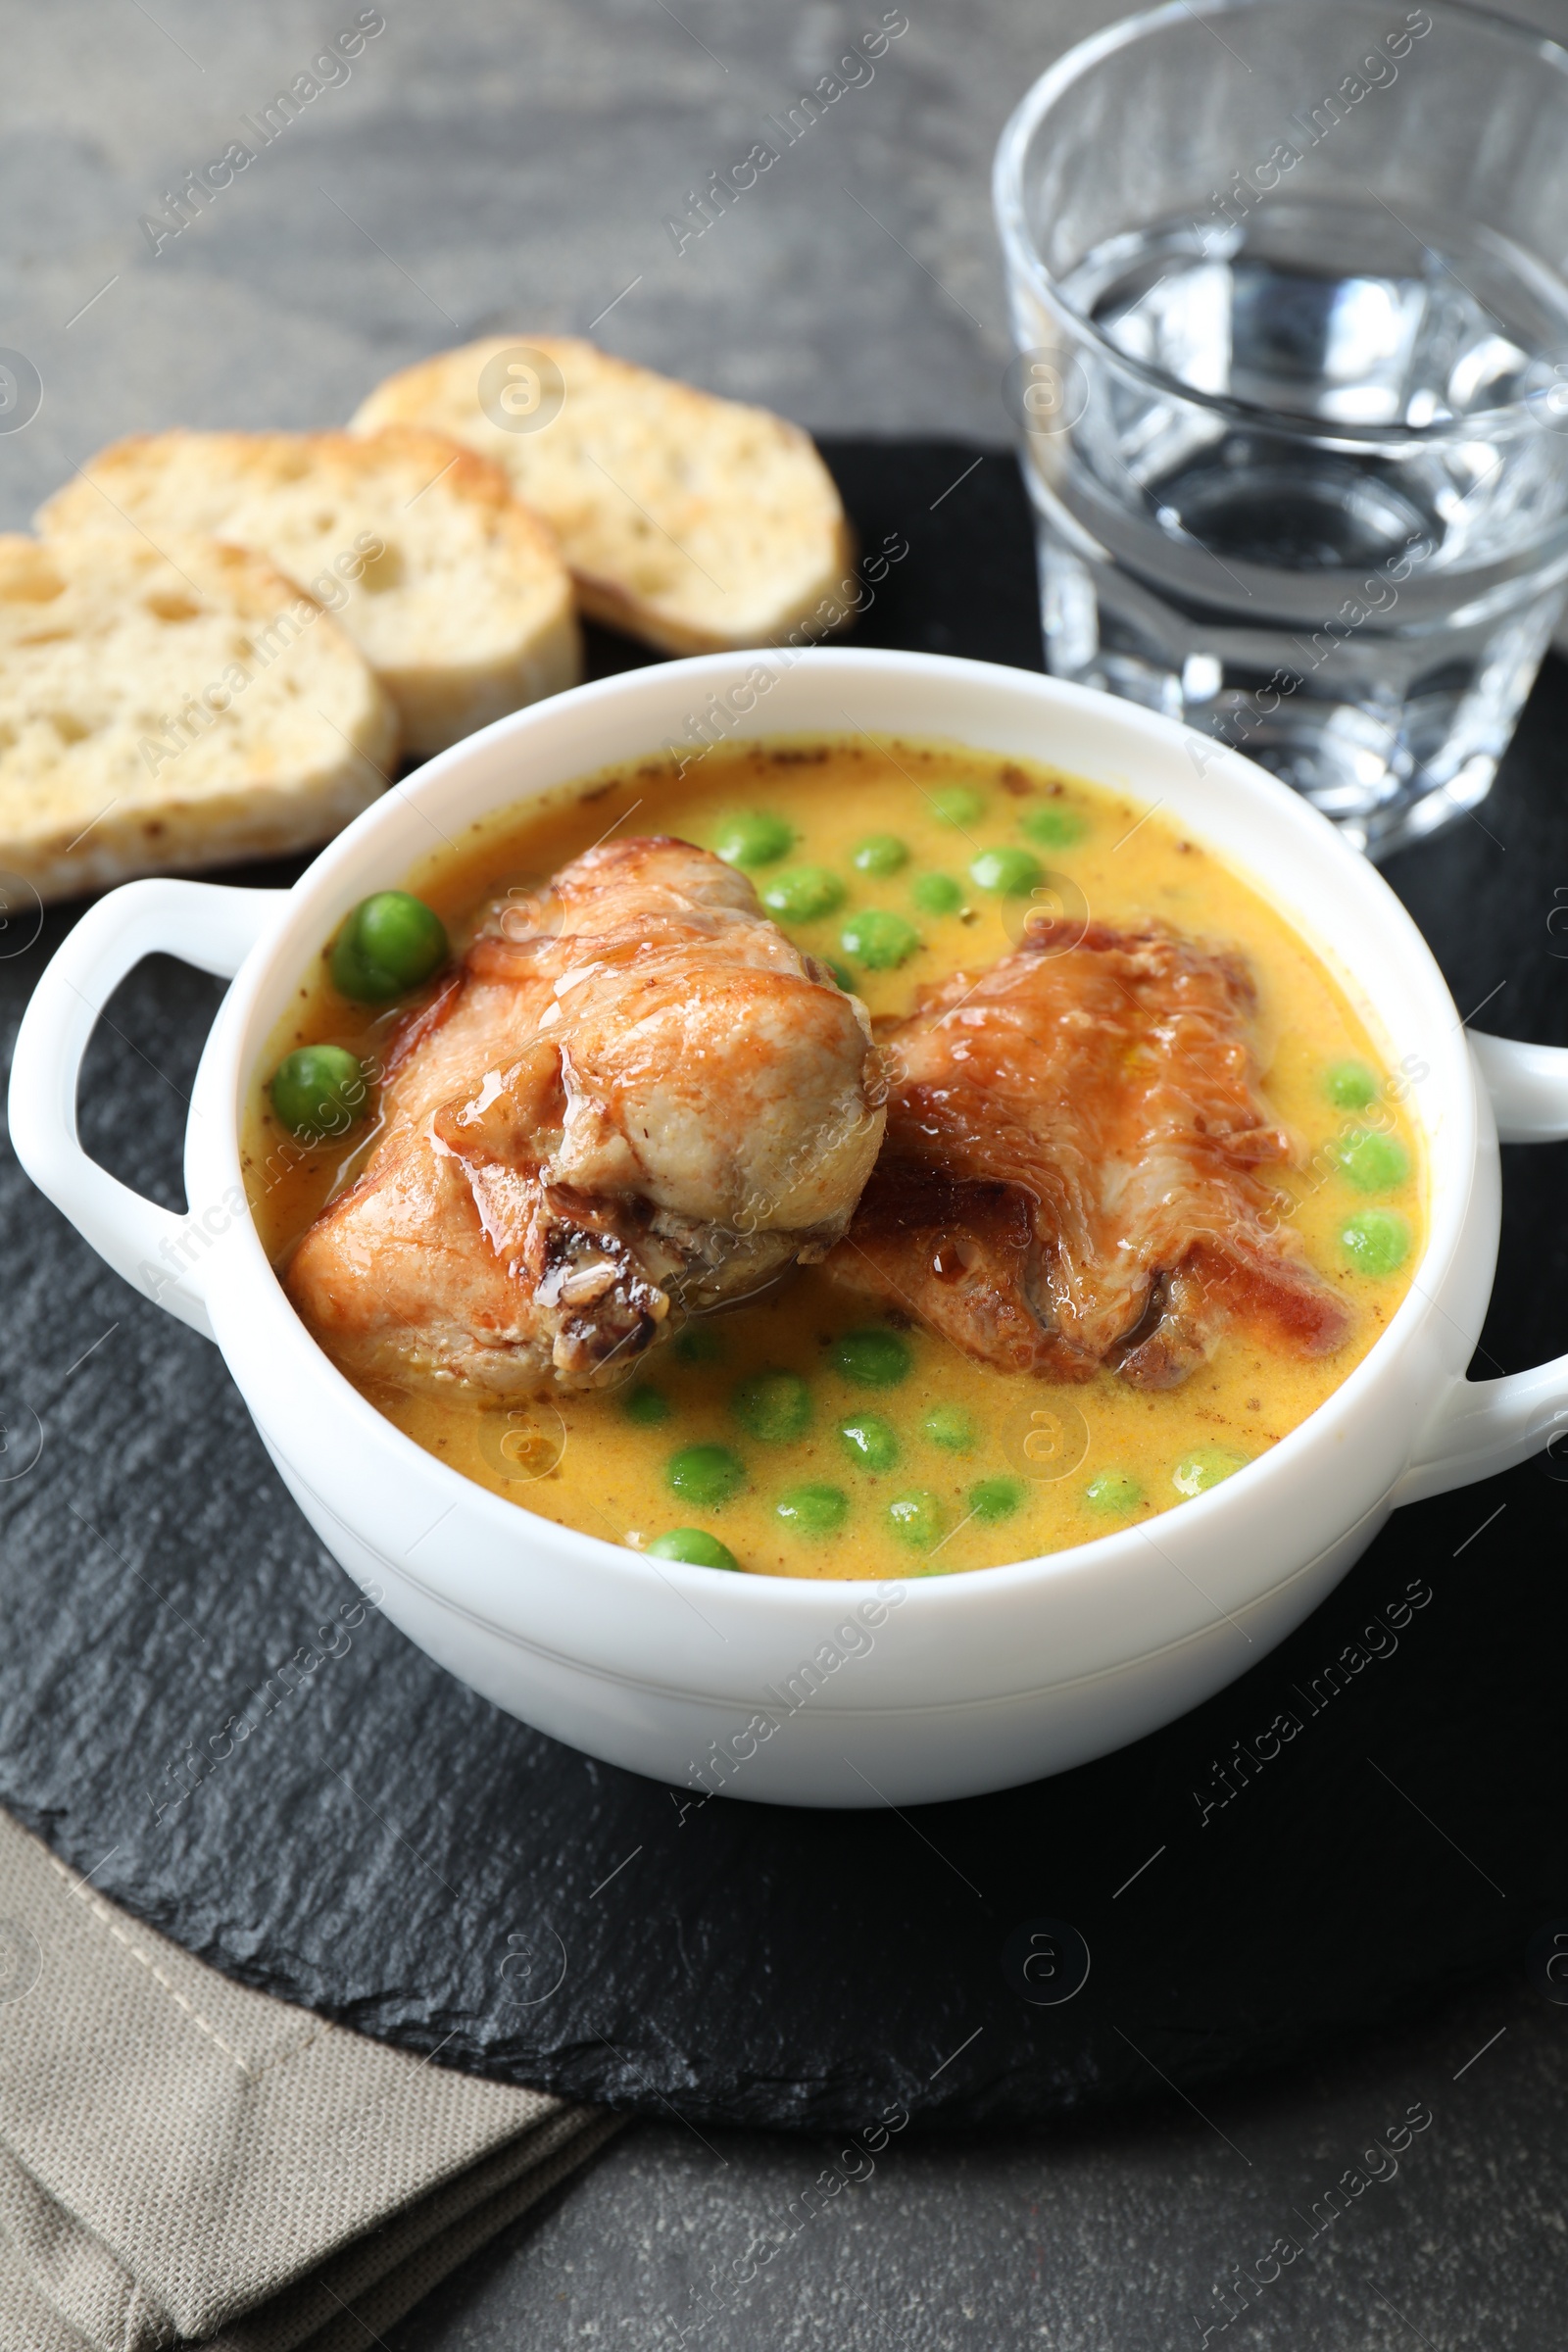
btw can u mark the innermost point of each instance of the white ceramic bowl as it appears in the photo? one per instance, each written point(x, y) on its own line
point(843, 1692)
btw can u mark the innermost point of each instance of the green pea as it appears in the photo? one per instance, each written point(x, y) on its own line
point(996, 1499)
point(813, 1510)
point(804, 892)
point(879, 940)
point(958, 804)
point(1113, 1493)
point(1013, 873)
point(870, 1443)
point(1376, 1241)
point(880, 854)
point(948, 1426)
point(646, 1406)
point(874, 1360)
point(1350, 1086)
point(319, 1090)
point(753, 837)
point(695, 1546)
point(699, 1346)
point(936, 894)
point(1054, 828)
point(1204, 1467)
point(842, 977)
point(390, 943)
point(917, 1518)
point(774, 1406)
point(704, 1474)
point(1374, 1163)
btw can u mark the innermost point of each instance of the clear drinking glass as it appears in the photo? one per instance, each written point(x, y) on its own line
point(1286, 281)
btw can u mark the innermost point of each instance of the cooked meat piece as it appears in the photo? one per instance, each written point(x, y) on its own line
point(637, 1096)
point(1073, 1167)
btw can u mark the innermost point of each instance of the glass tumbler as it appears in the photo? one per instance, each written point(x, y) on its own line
point(1288, 301)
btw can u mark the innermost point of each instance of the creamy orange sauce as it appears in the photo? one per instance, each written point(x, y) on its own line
point(1047, 1457)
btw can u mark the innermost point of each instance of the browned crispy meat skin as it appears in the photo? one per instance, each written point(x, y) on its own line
point(636, 1095)
point(1073, 1170)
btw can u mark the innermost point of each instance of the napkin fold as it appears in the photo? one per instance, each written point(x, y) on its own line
point(183, 2161)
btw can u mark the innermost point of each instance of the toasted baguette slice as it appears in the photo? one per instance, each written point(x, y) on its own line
point(465, 615)
point(687, 520)
point(160, 712)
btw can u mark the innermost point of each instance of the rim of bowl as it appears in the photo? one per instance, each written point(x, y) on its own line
point(1008, 202)
point(799, 1593)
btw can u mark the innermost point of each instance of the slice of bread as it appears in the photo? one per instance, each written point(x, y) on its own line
point(687, 520)
point(161, 713)
point(465, 614)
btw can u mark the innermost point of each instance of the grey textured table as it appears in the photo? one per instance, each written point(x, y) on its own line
point(491, 167)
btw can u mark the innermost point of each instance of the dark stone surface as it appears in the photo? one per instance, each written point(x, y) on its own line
point(385, 1846)
point(1112, 2233)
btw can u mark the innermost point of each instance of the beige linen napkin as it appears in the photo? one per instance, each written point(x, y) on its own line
point(183, 2161)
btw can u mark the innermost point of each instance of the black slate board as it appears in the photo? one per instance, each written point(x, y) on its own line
point(386, 1847)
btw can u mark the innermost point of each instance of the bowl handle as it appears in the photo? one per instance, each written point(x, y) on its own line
point(203, 923)
point(1487, 1425)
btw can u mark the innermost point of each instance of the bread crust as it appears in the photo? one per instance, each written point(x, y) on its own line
point(162, 712)
point(465, 614)
point(696, 523)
